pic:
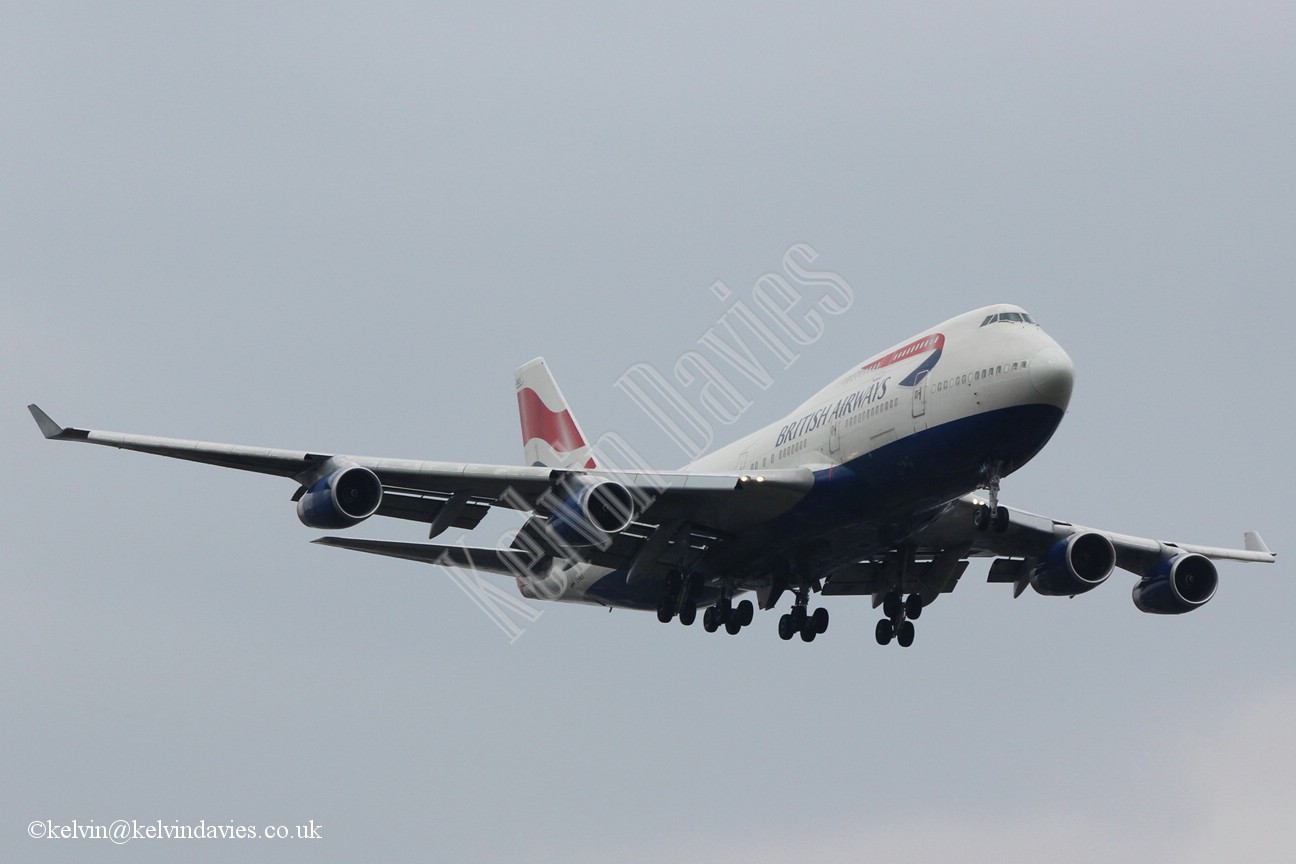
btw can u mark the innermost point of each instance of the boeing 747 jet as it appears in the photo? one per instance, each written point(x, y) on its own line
point(884, 484)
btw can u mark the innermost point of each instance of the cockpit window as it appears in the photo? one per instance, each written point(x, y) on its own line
point(1020, 317)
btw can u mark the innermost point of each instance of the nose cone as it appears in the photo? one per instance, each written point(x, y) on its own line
point(1052, 374)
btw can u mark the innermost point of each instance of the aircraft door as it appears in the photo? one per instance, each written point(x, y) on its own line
point(920, 396)
point(834, 440)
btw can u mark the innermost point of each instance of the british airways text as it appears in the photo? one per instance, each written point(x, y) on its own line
point(841, 408)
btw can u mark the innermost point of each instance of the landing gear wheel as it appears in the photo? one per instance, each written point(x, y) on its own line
point(744, 612)
point(711, 619)
point(733, 625)
point(1001, 520)
point(819, 620)
point(785, 629)
point(808, 632)
point(687, 614)
point(665, 610)
point(885, 631)
point(913, 607)
point(981, 517)
point(892, 606)
point(798, 614)
point(905, 634)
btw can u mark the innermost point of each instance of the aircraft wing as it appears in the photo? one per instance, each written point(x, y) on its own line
point(942, 548)
point(1030, 535)
point(459, 494)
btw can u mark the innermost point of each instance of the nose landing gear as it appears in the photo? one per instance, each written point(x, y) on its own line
point(991, 517)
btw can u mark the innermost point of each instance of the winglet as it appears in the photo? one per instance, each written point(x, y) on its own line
point(1254, 543)
point(50, 429)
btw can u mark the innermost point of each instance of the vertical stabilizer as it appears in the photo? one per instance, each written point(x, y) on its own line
point(550, 436)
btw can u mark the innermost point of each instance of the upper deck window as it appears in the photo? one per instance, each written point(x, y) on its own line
point(1019, 317)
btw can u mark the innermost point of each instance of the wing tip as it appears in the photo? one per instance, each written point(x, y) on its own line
point(48, 427)
point(1253, 542)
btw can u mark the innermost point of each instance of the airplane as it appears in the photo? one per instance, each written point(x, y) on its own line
point(884, 483)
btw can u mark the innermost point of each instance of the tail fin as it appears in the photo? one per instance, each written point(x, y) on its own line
point(550, 436)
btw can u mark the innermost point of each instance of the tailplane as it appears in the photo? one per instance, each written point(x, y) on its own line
point(550, 436)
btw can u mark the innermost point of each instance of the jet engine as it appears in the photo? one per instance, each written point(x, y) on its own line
point(1177, 585)
point(1075, 565)
point(344, 498)
point(592, 510)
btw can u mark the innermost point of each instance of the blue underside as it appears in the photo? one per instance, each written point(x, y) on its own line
point(873, 501)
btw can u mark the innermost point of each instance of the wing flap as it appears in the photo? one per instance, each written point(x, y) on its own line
point(423, 507)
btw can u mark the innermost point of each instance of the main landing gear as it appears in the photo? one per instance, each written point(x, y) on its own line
point(677, 601)
point(671, 606)
point(801, 620)
point(724, 614)
point(898, 624)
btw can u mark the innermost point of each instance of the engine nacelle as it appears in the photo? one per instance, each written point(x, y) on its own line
point(344, 498)
point(1178, 585)
point(592, 511)
point(1075, 565)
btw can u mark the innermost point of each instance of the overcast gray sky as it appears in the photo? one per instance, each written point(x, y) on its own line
point(327, 227)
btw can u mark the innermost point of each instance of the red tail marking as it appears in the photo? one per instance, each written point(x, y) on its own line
point(557, 429)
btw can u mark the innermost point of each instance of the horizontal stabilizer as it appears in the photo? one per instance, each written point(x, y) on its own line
point(511, 562)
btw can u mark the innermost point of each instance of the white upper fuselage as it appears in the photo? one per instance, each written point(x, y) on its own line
point(981, 361)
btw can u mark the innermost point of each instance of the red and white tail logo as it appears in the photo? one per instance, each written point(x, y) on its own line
point(550, 436)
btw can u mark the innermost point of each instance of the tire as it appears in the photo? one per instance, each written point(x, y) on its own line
point(808, 633)
point(687, 614)
point(913, 607)
point(744, 613)
point(1001, 520)
point(981, 517)
point(732, 626)
point(710, 620)
point(665, 610)
point(798, 614)
point(820, 620)
point(785, 629)
point(884, 632)
point(905, 635)
point(892, 605)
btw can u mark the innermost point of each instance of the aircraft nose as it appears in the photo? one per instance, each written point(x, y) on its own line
point(1052, 374)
